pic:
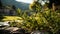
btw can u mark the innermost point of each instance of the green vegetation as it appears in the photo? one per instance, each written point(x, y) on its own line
point(46, 20)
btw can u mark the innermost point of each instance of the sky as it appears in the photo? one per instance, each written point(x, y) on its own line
point(25, 1)
point(31, 1)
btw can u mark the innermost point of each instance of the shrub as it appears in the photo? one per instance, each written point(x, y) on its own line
point(47, 20)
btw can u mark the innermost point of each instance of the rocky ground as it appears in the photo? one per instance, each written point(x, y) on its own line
point(15, 30)
point(12, 30)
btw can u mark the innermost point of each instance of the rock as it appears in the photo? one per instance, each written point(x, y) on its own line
point(22, 31)
point(40, 32)
point(12, 29)
point(16, 30)
point(36, 32)
point(4, 24)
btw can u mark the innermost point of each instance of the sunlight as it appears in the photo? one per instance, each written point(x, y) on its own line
point(25, 1)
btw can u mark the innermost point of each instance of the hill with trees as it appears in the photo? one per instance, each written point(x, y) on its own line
point(21, 5)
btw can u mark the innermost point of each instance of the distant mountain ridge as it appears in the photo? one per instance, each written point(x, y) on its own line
point(21, 5)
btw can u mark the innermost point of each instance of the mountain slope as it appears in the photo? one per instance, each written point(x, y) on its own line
point(21, 5)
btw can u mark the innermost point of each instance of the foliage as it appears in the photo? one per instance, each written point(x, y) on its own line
point(35, 6)
point(11, 18)
point(15, 21)
point(18, 11)
point(42, 21)
point(1, 17)
point(53, 20)
point(46, 20)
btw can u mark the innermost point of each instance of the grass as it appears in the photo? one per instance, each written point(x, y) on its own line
point(11, 18)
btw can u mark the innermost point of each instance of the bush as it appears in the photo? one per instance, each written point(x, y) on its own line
point(43, 21)
point(47, 20)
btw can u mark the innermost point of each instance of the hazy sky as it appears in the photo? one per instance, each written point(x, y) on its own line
point(30, 1)
point(25, 1)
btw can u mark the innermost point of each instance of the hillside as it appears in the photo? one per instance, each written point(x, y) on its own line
point(21, 5)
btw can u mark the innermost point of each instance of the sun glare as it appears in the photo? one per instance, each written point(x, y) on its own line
point(25, 1)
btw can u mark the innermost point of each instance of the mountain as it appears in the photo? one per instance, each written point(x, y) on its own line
point(21, 5)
